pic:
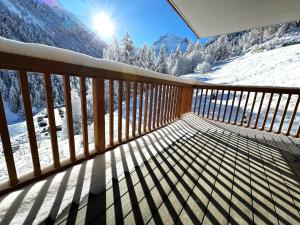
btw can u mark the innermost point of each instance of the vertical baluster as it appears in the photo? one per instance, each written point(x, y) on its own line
point(120, 103)
point(146, 107)
point(216, 99)
point(99, 121)
point(51, 118)
point(208, 110)
point(252, 108)
point(155, 106)
point(220, 107)
point(200, 101)
point(162, 105)
point(179, 93)
point(267, 112)
point(245, 108)
point(127, 109)
point(159, 106)
point(293, 116)
point(166, 104)
point(111, 112)
point(238, 108)
point(141, 91)
point(298, 132)
point(284, 113)
point(174, 102)
point(204, 103)
point(29, 122)
point(171, 103)
point(69, 116)
point(84, 117)
point(232, 106)
point(225, 110)
point(7, 150)
point(196, 99)
point(150, 107)
point(134, 108)
point(275, 112)
point(259, 110)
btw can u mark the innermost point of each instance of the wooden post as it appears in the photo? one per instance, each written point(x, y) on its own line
point(120, 96)
point(155, 106)
point(69, 115)
point(51, 117)
point(84, 117)
point(293, 116)
point(99, 123)
point(111, 112)
point(150, 107)
point(7, 151)
point(29, 122)
point(134, 108)
point(127, 109)
point(267, 112)
point(185, 100)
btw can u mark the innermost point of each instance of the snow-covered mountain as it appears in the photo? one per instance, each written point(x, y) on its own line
point(35, 21)
point(171, 41)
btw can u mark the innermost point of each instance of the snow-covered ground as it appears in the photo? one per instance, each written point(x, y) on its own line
point(278, 67)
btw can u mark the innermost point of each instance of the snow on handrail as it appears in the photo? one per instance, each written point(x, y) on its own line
point(66, 56)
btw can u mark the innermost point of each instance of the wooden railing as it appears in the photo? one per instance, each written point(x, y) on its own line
point(155, 103)
point(266, 108)
point(150, 103)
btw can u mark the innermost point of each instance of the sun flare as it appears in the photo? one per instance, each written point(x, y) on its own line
point(104, 25)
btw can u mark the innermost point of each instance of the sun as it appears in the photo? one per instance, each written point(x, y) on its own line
point(104, 25)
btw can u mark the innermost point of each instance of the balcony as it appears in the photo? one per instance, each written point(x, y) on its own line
point(187, 153)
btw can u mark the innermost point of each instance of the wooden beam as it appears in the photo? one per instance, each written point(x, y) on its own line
point(99, 121)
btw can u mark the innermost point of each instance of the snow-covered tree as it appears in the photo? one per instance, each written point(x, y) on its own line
point(13, 99)
point(113, 51)
point(128, 50)
point(189, 48)
point(162, 65)
point(173, 58)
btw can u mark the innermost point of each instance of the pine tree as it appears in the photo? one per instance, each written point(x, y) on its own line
point(173, 58)
point(128, 50)
point(162, 65)
point(13, 99)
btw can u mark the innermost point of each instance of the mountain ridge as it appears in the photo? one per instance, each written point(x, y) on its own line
point(171, 41)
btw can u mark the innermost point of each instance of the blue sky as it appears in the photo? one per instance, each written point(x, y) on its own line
point(145, 20)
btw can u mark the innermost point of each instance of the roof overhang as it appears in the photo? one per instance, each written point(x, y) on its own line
point(214, 17)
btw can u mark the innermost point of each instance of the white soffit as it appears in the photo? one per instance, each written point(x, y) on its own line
point(215, 17)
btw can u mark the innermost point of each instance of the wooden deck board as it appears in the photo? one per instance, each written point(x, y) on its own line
point(213, 175)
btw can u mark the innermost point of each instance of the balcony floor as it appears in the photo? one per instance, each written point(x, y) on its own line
point(193, 171)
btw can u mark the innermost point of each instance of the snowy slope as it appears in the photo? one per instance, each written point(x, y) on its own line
point(278, 67)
